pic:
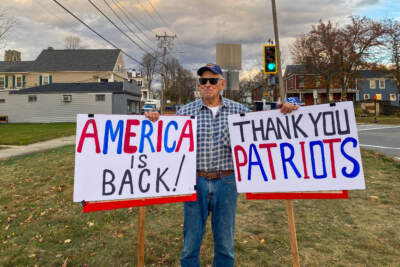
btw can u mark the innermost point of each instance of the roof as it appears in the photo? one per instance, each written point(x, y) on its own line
point(299, 69)
point(17, 66)
point(76, 60)
point(111, 87)
point(373, 74)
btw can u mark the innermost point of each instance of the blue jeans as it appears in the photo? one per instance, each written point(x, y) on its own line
point(218, 196)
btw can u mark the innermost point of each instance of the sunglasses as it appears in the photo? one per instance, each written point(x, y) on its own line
point(213, 81)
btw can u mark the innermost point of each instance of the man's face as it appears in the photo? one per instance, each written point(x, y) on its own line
point(211, 92)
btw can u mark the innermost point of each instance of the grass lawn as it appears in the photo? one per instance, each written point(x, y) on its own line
point(40, 225)
point(28, 133)
point(380, 119)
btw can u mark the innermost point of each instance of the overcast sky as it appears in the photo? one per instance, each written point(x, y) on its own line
point(199, 25)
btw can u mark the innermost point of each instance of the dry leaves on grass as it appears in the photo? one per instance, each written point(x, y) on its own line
point(67, 241)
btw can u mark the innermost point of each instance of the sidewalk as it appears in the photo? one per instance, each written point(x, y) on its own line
point(12, 151)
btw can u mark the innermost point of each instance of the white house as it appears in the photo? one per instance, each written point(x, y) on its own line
point(61, 102)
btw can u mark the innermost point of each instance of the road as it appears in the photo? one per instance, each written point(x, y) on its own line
point(384, 139)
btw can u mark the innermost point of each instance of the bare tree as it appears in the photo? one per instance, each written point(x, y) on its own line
point(357, 45)
point(150, 65)
point(6, 23)
point(392, 41)
point(73, 42)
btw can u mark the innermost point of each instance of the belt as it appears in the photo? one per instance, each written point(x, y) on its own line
point(214, 175)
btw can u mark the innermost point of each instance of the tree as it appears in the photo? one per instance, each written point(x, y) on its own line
point(6, 23)
point(73, 42)
point(357, 45)
point(180, 82)
point(317, 50)
point(392, 42)
point(150, 65)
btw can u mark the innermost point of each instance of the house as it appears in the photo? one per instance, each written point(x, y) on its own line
point(308, 85)
point(63, 66)
point(380, 84)
point(61, 102)
point(142, 83)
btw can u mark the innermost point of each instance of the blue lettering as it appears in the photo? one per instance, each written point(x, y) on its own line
point(146, 135)
point(109, 131)
point(172, 148)
point(321, 145)
point(289, 159)
point(253, 149)
point(356, 168)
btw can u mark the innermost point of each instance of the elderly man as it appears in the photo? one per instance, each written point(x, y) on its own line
point(216, 188)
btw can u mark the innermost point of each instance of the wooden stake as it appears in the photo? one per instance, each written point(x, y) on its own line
point(292, 233)
point(140, 247)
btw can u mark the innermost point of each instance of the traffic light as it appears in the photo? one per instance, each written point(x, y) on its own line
point(270, 62)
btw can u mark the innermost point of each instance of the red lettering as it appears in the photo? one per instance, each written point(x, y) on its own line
point(128, 135)
point(330, 142)
point(189, 135)
point(236, 149)
point(303, 157)
point(85, 135)
point(271, 163)
point(159, 135)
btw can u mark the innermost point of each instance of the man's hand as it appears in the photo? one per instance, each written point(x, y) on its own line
point(287, 107)
point(153, 115)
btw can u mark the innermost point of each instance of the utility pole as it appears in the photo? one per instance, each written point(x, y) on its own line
point(165, 40)
point(282, 92)
point(289, 202)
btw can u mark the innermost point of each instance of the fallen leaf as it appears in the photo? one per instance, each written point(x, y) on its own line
point(31, 256)
point(6, 228)
point(120, 235)
point(262, 241)
point(90, 224)
point(58, 255)
point(67, 241)
point(374, 197)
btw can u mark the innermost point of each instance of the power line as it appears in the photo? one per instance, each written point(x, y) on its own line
point(127, 17)
point(98, 34)
point(148, 13)
point(123, 22)
point(155, 10)
point(116, 26)
point(137, 21)
point(164, 21)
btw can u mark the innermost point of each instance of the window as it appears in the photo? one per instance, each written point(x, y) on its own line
point(32, 98)
point(372, 84)
point(301, 81)
point(67, 98)
point(100, 98)
point(381, 84)
point(103, 80)
point(317, 83)
point(392, 97)
point(139, 83)
point(2, 101)
point(2, 82)
point(119, 69)
point(46, 79)
point(366, 96)
point(19, 81)
point(378, 97)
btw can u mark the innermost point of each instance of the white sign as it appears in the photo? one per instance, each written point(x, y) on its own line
point(312, 149)
point(127, 156)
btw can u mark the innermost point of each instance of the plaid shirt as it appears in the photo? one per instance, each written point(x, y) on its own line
point(213, 143)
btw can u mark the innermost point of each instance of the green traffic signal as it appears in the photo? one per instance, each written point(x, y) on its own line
point(271, 66)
